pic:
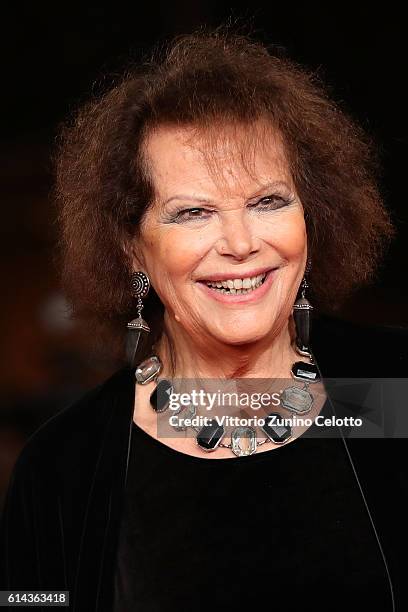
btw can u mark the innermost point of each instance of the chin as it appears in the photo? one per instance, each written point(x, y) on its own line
point(244, 336)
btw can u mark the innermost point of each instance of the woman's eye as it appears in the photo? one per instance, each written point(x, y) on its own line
point(272, 202)
point(191, 213)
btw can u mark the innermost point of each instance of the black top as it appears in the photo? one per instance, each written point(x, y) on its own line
point(63, 509)
point(287, 526)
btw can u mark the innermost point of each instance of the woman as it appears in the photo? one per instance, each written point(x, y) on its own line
point(220, 187)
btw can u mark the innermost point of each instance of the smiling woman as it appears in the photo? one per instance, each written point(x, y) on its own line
point(220, 186)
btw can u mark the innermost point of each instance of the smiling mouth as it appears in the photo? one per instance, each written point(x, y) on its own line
point(237, 286)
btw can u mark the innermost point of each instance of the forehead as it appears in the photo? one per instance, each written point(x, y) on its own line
point(232, 159)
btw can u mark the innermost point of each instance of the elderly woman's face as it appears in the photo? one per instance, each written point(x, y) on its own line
point(225, 253)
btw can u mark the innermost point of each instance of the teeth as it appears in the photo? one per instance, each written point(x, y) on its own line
point(237, 285)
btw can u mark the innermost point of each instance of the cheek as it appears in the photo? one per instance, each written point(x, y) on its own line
point(288, 236)
point(174, 253)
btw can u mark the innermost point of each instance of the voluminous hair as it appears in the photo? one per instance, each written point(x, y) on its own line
point(202, 80)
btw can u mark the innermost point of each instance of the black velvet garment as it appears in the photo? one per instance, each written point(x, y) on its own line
point(287, 526)
point(97, 507)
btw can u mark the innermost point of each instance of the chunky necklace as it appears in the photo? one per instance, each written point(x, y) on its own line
point(244, 440)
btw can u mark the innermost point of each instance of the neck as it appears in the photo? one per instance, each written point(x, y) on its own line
point(187, 356)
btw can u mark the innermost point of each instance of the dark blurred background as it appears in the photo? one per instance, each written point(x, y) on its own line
point(54, 56)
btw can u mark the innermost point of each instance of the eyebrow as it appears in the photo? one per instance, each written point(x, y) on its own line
point(191, 198)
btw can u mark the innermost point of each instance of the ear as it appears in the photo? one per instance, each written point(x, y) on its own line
point(133, 254)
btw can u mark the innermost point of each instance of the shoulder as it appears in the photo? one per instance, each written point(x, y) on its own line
point(349, 349)
point(76, 430)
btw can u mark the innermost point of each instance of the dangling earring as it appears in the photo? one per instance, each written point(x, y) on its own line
point(296, 399)
point(137, 329)
point(302, 314)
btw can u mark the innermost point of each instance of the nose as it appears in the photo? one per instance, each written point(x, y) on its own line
point(237, 237)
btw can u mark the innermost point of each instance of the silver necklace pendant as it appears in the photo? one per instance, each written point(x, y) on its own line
point(148, 370)
point(296, 399)
point(243, 441)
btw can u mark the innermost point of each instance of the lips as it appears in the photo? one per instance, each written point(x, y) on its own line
point(234, 275)
point(227, 291)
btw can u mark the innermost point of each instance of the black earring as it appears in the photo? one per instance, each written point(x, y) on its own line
point(137, 329)
point(302, 314)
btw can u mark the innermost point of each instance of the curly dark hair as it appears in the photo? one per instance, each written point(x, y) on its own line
point(199, 80)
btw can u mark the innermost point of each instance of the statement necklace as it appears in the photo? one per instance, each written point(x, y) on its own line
point(244, 440)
